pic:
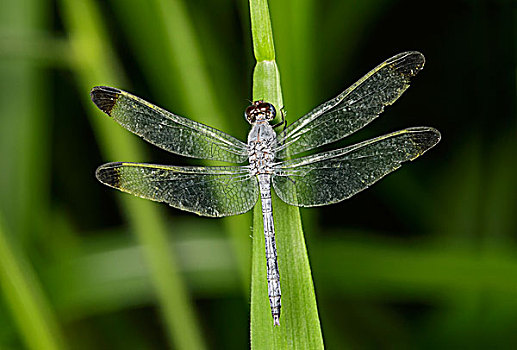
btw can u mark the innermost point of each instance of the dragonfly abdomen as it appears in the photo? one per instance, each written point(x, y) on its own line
point(261, 145)
point(273, 276)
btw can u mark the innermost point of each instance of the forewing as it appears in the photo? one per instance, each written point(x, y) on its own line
point(206, 191)
point(353, 108)
point(166, 130)
point(331, 177)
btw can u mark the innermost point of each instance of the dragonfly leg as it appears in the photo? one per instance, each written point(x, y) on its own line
point(284, 119)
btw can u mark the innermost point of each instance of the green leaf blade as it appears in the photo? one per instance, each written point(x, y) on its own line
point(299, 321)
point(95, 64)
point(37, 323)
point(262, 33)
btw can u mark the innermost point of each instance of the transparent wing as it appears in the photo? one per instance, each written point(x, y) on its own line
point(206, 191)
point(166, 130)
point(331, 177)
point(353, 108)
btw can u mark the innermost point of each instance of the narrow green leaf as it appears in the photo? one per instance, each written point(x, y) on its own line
point(25, 123)
point(96, 65)
point(391, 270)
point(299, 322)
point(263, 46)
point(167, 28)
point(38, 48)
point(266, 83)
point(23, 293)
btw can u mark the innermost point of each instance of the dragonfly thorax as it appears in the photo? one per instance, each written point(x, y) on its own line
point(261, 148)
point(260, 111)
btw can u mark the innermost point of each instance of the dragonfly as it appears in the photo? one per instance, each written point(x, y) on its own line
point(270, 160)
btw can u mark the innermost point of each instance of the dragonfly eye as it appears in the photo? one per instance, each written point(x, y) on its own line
point(261, 110)
point(271, 111)
point(267, 109)
point(249, 114)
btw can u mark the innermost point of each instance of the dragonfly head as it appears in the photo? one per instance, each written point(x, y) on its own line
point(259, 111)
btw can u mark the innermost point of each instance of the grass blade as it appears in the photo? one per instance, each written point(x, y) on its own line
point(96, 65)
point(185, 51)
point(168, 30)
point(23, 293)
point(299, 322)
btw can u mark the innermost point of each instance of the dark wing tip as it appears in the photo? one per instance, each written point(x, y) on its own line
point(105, 97)
point(425, 136)
point(109, 174)
point(432, 136)
point(408, 63)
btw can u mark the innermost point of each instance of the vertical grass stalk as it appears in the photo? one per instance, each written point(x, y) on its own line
point(96, 65)
point(188, 81)
point(31, 311)
point(299, 322)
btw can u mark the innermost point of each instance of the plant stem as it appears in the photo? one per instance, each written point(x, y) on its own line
point(299, 322)
point(96, 65)
point(30, 309)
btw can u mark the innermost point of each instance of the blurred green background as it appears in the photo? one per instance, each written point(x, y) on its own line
point(424, 259)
